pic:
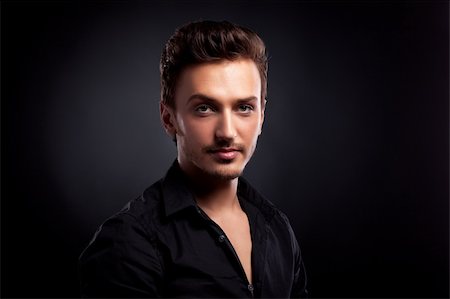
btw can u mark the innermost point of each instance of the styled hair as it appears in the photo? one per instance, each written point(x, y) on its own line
point(209, 41)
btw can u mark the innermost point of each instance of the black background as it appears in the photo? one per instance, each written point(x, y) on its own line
point(354, 148)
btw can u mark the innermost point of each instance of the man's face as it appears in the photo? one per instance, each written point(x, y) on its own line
point(217, 117)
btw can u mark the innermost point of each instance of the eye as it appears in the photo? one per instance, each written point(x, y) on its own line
point(245, 108)
point(203, 109)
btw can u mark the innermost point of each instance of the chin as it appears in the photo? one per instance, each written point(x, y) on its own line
point(224, 171)
point(227, 175)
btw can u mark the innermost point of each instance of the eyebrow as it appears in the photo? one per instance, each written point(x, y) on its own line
point(210, 99)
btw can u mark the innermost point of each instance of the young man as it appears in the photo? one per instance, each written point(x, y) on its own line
point(202, 231)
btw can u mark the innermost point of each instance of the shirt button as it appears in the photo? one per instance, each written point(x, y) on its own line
point(250, 287)
point(221, 238)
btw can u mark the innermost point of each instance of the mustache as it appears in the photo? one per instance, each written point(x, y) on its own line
point(215, 148)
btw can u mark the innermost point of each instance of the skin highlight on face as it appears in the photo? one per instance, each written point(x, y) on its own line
point(217, 118)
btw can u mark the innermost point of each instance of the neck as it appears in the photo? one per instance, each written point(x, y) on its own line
point(215, 195)
point(218, 197)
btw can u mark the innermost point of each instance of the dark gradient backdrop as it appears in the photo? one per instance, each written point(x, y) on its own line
point(354, 148)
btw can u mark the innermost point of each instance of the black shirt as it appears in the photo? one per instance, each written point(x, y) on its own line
point(163, 245)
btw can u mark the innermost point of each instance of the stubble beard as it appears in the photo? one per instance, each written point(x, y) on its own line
point(222, 171)
point(227, 170)
point(222, 174)
point(207, 167)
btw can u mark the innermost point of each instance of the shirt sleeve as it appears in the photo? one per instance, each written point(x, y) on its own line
point(121, 261)
point(299, 289)
point(299, 286)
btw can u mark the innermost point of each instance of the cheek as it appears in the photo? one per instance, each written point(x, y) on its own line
point(250, 129)
point(196, 132)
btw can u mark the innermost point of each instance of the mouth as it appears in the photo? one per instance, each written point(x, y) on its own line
point(227, 153)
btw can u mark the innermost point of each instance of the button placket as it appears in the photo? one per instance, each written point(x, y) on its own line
point(251, 288)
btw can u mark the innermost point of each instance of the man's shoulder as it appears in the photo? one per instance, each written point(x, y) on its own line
point(135, 218)
point(146, 206)
point(156, 202)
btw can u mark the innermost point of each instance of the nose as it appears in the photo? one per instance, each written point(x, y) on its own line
point(225, 129)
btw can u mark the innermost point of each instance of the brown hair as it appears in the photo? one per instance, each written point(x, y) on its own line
point(208, 41)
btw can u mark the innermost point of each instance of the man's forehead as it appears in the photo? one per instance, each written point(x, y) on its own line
point(237, 78)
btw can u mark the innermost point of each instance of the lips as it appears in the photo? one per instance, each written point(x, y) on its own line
point(225, 153)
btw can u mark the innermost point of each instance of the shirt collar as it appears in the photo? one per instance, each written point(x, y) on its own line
point(247, 193)
point(176, 193)
point(177, 196)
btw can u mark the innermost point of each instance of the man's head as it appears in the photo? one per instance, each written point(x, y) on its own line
point(213, 88)
point(209, 41)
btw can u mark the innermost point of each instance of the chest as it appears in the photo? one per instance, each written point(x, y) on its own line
point(200, 262)
point(238, 233)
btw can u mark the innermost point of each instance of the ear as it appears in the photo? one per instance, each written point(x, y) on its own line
point(167, 119)
point(263, 110)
